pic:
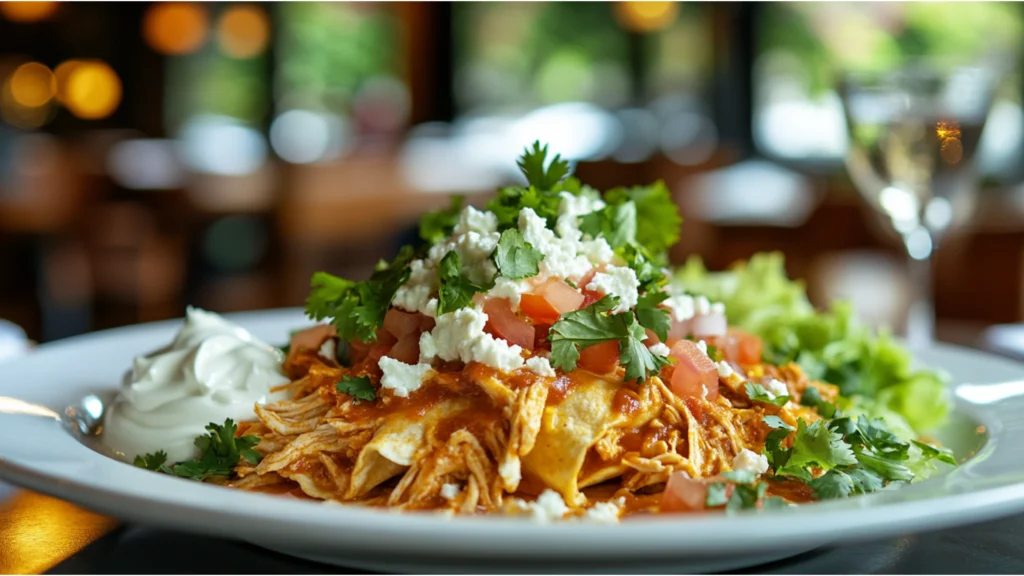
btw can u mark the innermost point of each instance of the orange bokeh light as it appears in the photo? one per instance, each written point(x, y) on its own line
point(33, 85)
point(27, 11)
point(175, 27)
point(62, 73)
point(243, 31)
point(646, 16)
point(93, 90)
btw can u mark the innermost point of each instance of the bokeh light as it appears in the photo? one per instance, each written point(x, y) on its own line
point(243, 31)
point(62, 73)
point(33, 85)
point(27, 11)
point(18, 115)
point(646, 16)
point(175, 27)
point(93, 90)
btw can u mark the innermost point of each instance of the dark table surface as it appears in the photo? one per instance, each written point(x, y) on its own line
point(39, 534)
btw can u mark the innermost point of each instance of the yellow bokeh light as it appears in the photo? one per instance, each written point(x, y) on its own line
point(646, 16)
point(62, 73)
point(243, 31)
point(93, 90)
point(175, 27)
point(27, 11)
point(33, 85)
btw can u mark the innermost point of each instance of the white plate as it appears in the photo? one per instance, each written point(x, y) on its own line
point(48, 455)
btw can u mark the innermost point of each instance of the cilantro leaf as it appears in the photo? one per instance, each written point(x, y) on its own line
point(658, 212)
point(220, 451)
point(582, 328)
point(651, 317)
point(931, 452)
point(357, 309)
point(438, 225)
point(757, 393)
point(515, 257)
point(716, 494)
point(358, 387)
point(532, 164)
point(454, 290)
point(650, 275)
point(616, 223)
point(777, 454)
point(740, 476)
point(154, 461)
point(812, 397)
point(746, 496)
point(635, 356)
point(832, 484)
point(817, 445)
point(510, 201)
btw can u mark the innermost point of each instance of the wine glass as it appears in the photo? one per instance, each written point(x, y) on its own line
point(914, 132)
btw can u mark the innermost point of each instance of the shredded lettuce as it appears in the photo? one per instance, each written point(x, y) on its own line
point(870, 367)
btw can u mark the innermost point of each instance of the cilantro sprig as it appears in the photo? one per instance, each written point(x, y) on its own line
point(595, 324)
point(757, 393)
point(746, 493)
point(438, 225)
point(515, 257)
point(358, 387)
point(454, 289)
point(220, 451)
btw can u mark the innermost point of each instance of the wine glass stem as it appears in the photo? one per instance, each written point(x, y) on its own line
point(921, 313)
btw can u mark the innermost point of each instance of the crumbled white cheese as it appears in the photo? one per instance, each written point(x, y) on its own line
point(431, 308)
point(561, 255)
point(459, 335)
point(603, 513)
point(400, 377)
point(329, 350)
point(702, 346)
point(751, 462)
point(598, 251)
point(450, 491)
point(703, 391)
point(618, 281)
point(660, 349)
point(570, 209)
point(718, 308)
point(681, 306)
point(549, 506)
point(776, 388)
point(509, 289)
point(702, 306)
point(473, 220)
point(540, 365)
point(724, 369)
point(414, 295)
point(474, 250)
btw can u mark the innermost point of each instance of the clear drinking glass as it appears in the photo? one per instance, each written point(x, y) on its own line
point(914, 132)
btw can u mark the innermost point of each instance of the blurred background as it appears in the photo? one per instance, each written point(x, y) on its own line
point(154, 155)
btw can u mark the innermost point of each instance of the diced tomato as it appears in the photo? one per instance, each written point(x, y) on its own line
point(590, 296)
point(549, 301)
point(694, 372)
point(310, 338)
point(600, 358)
point(540, 339)
point(678, 329)
point(502, 322)
point(684, 494)
point(400, 323)
point(749, 347)
point(407, 349)
point(589, 277)
point(738, 346)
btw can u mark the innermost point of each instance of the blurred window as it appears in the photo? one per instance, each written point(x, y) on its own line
point(798, 114)
point(338, 76)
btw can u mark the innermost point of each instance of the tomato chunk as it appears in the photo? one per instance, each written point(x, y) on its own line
point(400, 323)
point(502, 322)
point(549, 301)
point(407, 349)
point(309, 339)
point(683, 494)
point(694, 372)
point(600, 358)
point(738, 346)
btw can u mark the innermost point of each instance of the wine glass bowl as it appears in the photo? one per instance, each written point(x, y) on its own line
point(913, 137)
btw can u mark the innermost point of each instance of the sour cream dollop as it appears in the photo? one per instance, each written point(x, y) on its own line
point(212, 370)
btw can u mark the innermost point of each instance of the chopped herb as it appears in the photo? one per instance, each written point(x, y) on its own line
point(539, 173)
point(358, 387)
point(454, 289)
point(655, 319)
point(219, 453)
point(515, 257)
point(932, 452)
point(154, 461)
point(757, 393)
point(717, 494)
